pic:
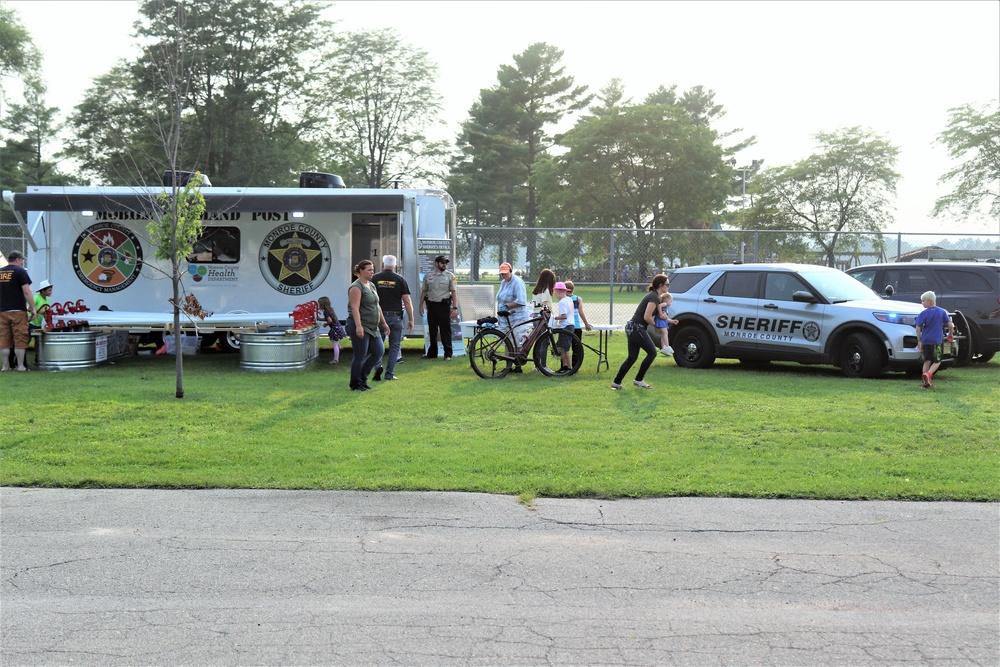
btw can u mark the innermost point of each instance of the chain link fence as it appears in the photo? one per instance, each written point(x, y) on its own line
point(626, 260)
point(11, 238)
point(613, 256)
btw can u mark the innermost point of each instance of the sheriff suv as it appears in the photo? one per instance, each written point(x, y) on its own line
point(789, 312)
point(972, 289)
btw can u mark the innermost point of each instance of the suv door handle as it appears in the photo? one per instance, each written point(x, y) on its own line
point(771, 306)
point(710, 300)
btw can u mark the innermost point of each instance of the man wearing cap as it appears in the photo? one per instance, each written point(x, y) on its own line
point(17, 307)
point(512, 295)
point(43, 297)
point(439, 296)
point(394, 297)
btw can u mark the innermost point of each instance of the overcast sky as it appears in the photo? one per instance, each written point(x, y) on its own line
point(783, 70)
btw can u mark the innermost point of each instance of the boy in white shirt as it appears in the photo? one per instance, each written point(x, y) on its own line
point(562, 321)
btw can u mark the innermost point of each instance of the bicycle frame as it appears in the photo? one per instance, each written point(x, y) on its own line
point(494, 351)
point(541, 322)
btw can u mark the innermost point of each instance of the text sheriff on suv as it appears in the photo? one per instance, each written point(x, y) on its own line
point(789, 312)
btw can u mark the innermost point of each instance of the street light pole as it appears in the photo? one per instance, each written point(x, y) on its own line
point(754, 166)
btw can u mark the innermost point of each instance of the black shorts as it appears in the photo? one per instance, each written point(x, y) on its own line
point(932, 353)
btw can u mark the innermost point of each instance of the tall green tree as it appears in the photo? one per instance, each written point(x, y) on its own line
point(383, 97)
point(28, 128)
point(847, 186)
point(28, 125)
point(641, 167)
point(249, 91)
point(972, 136)
point(509, 132)
point(18, 54)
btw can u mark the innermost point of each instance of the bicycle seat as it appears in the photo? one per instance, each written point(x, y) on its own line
point(502, 313)
point(487, 320)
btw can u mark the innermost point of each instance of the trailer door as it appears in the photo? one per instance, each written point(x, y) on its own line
point(374, 235)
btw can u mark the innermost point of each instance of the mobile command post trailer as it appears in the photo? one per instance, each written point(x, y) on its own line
point(263, 251)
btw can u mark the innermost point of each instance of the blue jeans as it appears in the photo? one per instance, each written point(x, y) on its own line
point(638, 339)
point(367, 352)
point(395, 323)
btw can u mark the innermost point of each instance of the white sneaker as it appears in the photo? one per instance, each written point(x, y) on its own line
point(641, 384)
point(663, 350)
point(668, 350)
point(615, 386)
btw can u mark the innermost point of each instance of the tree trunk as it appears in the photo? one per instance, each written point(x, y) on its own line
point(178, 338)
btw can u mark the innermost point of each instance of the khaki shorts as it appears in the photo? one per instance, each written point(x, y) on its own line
point(14, 330)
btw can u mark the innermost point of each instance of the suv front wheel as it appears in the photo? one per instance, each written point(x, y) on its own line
point(693, 348)
point(861, 356)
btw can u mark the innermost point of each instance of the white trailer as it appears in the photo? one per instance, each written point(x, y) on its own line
point(263, 251)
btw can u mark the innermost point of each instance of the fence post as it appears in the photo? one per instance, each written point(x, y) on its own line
point(899, 245)
point(756, 259)
point(611, 280)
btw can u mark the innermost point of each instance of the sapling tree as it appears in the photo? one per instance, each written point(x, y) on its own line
point(175, 227)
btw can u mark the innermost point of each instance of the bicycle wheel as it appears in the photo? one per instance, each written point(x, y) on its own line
point(485, 351)
point(548, 358)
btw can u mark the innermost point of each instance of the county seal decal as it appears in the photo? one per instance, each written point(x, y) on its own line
point(811, 331)
point(107, 257)
point(294, 258)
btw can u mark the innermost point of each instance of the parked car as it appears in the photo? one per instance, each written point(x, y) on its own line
point(970, 288)
point(790, 312)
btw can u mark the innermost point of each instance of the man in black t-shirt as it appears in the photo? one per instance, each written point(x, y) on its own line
point(394, 298)
point(17, 307)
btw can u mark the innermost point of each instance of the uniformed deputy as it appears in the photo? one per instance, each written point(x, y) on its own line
point(439, 296)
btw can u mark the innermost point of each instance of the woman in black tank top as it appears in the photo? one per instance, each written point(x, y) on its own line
point(638, 337)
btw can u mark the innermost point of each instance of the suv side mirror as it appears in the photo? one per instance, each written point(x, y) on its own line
point(889, 291)
point(804, 297)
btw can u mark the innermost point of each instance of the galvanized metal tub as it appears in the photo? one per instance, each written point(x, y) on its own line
point(67, 350)
point(279, 350)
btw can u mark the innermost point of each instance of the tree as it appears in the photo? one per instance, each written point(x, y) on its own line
point(507, 133)
point(175, 227)
point(28, 124)
point(639, 167)
point(383, 97)
point(28, 128)
point(845, 187)
point(18, 54)
point(175, 219)
point(972, 134)
point(248, 98)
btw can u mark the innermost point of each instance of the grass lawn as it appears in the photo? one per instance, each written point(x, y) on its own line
point(782, 431)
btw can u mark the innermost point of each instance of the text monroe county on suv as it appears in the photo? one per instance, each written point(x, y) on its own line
point(789, 312)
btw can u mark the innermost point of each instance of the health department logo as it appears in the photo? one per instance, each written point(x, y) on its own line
point(107, 257)
point(197, 272)
point(294, 259)
point(811, 331)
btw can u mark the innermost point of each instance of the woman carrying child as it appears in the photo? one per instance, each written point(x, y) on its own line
point(638, 337)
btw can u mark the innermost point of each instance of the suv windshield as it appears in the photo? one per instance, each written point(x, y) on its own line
point(838, 287)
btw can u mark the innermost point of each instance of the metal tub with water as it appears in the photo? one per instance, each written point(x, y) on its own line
point(277, 350)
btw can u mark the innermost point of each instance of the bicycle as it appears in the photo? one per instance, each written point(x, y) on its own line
point(493, 352)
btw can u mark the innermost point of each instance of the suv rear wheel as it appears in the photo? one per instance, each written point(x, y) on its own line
point(861, 356)
point(693, 347)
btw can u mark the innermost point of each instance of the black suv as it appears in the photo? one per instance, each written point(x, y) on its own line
point(971, 288)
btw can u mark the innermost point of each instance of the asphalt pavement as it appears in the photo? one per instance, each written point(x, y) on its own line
point(220, 577)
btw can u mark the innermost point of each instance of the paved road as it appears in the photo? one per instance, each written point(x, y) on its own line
point(345, 578)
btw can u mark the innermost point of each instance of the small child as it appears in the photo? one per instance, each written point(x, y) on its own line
point(561, 320)
point(662, 321)
point(930, 336)
point(329, 317)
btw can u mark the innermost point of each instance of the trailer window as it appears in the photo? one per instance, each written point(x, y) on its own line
point(217, 245)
